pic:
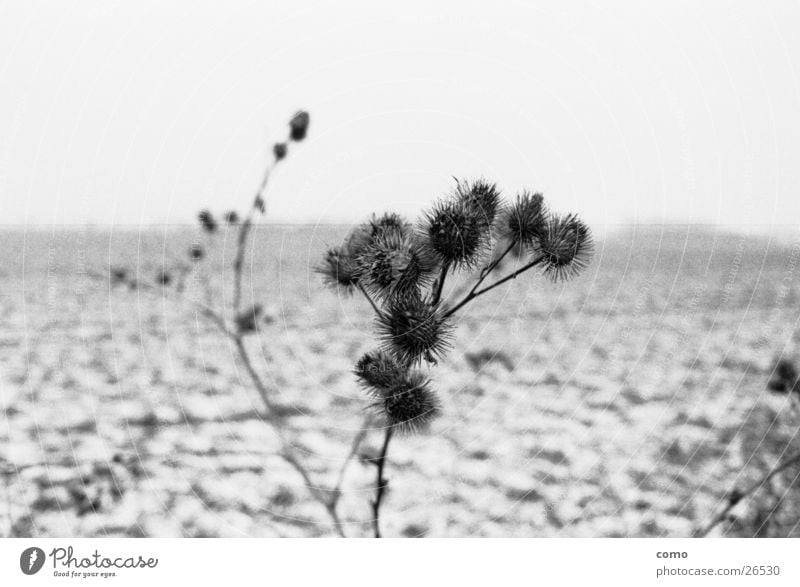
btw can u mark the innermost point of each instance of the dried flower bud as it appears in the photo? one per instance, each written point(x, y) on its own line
point(259, 204)
point(481, 197)
point(378, 370)
point(525, 221)
point(207, 221)
point(413, 330)
point(163, 277)
point(279, 150)
point(457, 234)
point(231, 217)
point(410, 405)
point(196, 253)
point(566, 247)
point(298, 125)
point(394, 265)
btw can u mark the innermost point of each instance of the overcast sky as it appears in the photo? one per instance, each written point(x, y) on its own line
point(143, 112)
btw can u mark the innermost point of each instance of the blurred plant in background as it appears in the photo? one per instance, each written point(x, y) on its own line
point(237, 320)
point(401, 269)
point(756, 509)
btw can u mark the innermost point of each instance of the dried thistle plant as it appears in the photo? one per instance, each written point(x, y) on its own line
point(238, 320)
point(401, 269)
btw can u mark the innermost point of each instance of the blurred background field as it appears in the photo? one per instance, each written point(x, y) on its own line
point(625, 403)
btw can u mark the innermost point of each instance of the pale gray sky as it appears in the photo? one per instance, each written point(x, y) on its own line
point(140, 112)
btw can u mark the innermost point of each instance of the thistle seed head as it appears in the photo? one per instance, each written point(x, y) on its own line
point(390, 222)
point(377, 370)
point(298, 125)
point(566, 247)
point(340, 265)
point(410, 405)
point(394, 265)
point(207, 221)
point(456, 234)
point(481, 197)
point(412, 330)
point(231, 217)
point(339, 268)
point(525, 221)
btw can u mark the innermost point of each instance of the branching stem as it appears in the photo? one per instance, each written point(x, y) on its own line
point(474, 294)
point(275, 417)
point(491, 267)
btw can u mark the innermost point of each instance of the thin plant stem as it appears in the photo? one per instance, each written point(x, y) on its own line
point(358, 440)
point(244, 231)
point(720, 517)
point(370, 300)
point(474, 294)
point(440, 284)
point(274, 415)
point(333, 512)
point(491, 267)
point(328, 498)
point(513, 275)
point(380, 483)
point(241, 242)
point(336, 492)
point(255, 377)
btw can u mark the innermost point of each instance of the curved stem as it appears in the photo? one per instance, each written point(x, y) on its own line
point(380, 483)
point(720, 517)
